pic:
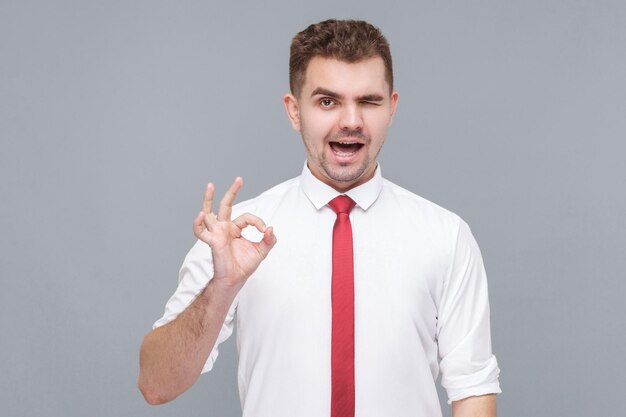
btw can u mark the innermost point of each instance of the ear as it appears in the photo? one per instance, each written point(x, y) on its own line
point(293, 112)
point(394, 102)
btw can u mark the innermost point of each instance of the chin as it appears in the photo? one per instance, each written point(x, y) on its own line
point(345, 176)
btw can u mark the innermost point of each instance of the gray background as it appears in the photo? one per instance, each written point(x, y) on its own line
point(114, 114)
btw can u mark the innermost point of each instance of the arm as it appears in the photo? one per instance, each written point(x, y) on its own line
point(481, 406)
point(172, 356)
point(467, 364)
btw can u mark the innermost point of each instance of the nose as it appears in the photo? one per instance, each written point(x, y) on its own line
point(351, 118)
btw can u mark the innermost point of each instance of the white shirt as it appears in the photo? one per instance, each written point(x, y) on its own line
point(421, 304)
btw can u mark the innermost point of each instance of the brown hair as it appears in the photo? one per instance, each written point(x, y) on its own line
point(346, 40)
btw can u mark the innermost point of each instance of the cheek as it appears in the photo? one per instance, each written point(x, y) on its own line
point(379, 123)
point(316, 128)
point(378, 130)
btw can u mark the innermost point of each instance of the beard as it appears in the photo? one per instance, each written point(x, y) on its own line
point(344, 172)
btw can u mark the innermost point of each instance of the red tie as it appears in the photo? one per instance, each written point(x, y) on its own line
point(342, 345)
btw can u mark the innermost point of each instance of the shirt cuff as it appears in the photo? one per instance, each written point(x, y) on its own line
point(456, 395)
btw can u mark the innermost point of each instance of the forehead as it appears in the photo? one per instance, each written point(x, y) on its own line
point(366, 76)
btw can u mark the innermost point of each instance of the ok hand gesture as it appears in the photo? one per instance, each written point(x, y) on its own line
point(235, 258)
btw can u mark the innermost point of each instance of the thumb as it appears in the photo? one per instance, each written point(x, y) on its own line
point(267, 243)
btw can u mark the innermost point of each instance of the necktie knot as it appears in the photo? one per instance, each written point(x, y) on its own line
point(342, 204)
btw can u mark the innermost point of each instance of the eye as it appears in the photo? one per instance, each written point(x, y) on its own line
point(327, 102)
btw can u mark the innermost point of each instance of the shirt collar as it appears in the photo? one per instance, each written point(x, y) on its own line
point(320, 194)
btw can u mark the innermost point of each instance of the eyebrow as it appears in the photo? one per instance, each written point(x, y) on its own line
point(326, 92)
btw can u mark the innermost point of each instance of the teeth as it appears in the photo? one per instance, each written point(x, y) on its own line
point(344, 153)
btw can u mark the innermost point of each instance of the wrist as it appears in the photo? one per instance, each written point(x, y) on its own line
point(224, 290)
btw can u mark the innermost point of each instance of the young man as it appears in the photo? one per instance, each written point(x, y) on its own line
point(366, 291)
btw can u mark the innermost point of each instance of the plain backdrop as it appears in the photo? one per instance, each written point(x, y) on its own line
point(115, 114)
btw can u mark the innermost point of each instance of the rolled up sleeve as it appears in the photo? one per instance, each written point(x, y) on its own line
point(467, 364)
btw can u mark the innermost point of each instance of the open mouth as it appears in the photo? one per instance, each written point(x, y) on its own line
point(345, 148)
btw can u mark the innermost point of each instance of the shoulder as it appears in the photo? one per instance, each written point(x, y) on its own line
point(268, 200)
point(441, 228)
point(414, 206)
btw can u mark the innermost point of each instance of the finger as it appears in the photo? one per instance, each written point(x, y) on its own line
point(199, 228)
point(249, 219)
point(198, 224)
point(207, 203)
point(209, 221)
point(267, 243)
point(226, 205)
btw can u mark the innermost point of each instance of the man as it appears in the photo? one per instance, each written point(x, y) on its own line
point(366, 291)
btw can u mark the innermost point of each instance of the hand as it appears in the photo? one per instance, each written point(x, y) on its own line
point(234, 257)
